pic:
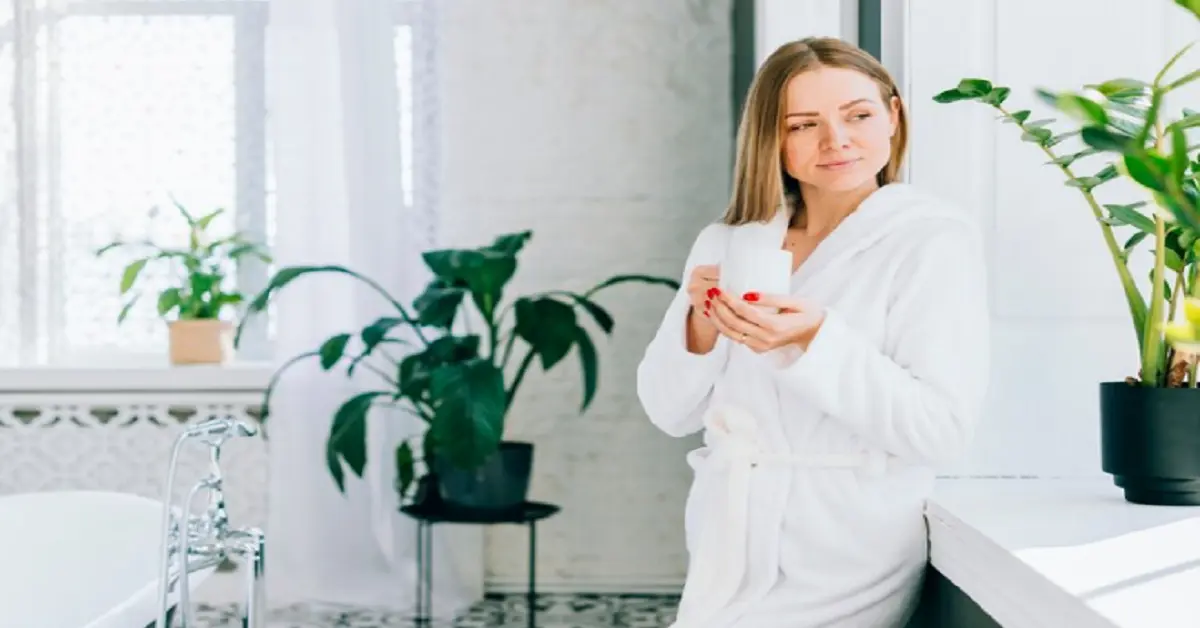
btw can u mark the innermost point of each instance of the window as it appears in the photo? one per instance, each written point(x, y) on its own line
point(112, 108)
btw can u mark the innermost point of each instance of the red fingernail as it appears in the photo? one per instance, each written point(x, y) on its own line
point(712, 292)
point(706, 312)
point(750, 296)
point(716, 292)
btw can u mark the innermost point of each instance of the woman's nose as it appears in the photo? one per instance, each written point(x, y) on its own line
point(836, 135)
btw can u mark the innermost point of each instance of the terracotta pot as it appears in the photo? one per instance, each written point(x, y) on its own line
point(200, 341)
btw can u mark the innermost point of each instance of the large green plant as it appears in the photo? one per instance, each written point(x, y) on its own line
point(1123, 123)
point(198, 290)
point(460, 381)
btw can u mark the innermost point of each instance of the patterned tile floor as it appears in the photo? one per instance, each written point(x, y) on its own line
point(495, 611)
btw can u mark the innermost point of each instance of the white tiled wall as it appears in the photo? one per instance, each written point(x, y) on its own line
point(1060, 324)
point(606, 127)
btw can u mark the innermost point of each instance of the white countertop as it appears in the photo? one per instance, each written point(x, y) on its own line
point(1070, 552)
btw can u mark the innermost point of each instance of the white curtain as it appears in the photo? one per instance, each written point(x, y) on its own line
point(345, 183)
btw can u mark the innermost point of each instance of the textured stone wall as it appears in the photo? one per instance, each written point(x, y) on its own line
point(606, 127)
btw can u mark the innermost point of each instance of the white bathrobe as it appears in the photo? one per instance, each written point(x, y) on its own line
point(806, 507)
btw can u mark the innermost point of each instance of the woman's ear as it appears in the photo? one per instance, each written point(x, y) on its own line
point(894, 113)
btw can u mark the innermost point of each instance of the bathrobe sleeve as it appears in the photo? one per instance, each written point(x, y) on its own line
point(673, 384)
point(921, 397)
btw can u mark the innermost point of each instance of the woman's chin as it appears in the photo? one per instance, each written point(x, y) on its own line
point(842, 180)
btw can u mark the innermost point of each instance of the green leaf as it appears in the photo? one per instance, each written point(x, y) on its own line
point(416, 369)
point(1067, 160)
point(1121, 87)
point(1037, 136)
point(1146, 169)
point(374, 333)
point(468, 412)
point(405, 471)
point(1173, 261)
point(332, 350)
point(603, 319)
point(1187, 122)
point(1083, 109)
point(126, 308)
point(975, 87)
point(1179, 154)
point(287, 275)
point(617, 280)
point(1134, 240)
point(348, 437)
point(1190, 5)
point(1188, 78)
point(438, 305)
point(1129, 215)
point(548, 326)
point(1017, 117)
point(207, 219)
point(1104, 140)
point(996, 96)
point(168, 299)
point(130, 275)
point(484, 272)
point(511, 243)
point(951, 95)
point(588, 365)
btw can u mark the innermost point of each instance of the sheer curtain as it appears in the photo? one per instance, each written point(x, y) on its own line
point(352, 121)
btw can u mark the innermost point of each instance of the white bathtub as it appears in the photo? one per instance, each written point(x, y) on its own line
point(80, 559)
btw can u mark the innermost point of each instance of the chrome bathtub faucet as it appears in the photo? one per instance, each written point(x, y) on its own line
point(194, 542)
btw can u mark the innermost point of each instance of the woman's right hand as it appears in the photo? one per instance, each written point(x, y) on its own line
point(701, 332)
point(702, 286)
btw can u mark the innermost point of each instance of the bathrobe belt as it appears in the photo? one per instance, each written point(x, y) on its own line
point(719, 560)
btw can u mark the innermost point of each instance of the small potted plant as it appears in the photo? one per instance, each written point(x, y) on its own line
point(1149, 423)
point(468, 353)
point(197, 302)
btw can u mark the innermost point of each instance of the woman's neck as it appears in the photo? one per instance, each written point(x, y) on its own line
point(824, 209)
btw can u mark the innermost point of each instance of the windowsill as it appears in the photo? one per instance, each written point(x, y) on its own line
point(124, 378)
point(1070, 552)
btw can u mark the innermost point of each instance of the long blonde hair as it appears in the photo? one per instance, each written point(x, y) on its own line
point(760, 183)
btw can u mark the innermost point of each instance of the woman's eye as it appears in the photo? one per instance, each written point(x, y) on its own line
point(861, 116)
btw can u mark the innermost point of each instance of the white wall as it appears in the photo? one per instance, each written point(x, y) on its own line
point(1060, 320)
point(605, 126)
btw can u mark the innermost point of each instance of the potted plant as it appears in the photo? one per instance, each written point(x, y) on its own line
point(1149, 423)
point(199, 298)
point(466, 357)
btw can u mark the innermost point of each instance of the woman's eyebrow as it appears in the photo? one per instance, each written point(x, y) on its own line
point(842, 107)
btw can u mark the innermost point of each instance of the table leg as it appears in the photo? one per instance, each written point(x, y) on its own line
point(424, 601)
point(531, 596)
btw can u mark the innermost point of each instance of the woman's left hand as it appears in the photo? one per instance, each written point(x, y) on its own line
point(765, 322)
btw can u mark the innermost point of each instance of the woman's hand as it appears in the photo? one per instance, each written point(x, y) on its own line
point(702, 286)
point(766, 322)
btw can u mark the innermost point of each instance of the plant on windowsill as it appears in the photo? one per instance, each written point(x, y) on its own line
point(460, 383)
point(1149, 424)
point(197, 302)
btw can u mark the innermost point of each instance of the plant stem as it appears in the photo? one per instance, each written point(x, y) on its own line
point(1137, 305)
point(516, 383)
point(1152, 332)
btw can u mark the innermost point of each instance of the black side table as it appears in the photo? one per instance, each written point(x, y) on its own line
point(427, 515)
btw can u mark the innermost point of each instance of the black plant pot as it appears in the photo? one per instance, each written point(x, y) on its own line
point(1150, 442)
point(500, 484)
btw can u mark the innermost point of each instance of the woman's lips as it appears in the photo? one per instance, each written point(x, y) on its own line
point(838, 165)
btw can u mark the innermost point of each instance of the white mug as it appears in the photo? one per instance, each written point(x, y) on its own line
point(762, 270)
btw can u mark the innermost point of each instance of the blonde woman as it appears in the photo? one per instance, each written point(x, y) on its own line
point(826, 407)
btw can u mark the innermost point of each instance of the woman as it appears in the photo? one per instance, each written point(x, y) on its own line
point(826, 410)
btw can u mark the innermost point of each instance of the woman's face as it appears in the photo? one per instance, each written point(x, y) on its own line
point(837, 129)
